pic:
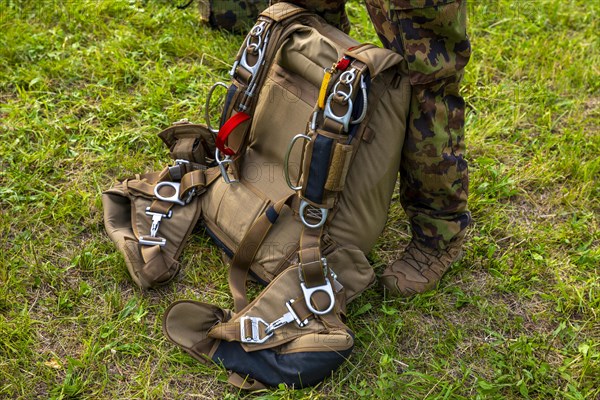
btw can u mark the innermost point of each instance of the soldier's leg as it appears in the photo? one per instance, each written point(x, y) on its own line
point(433, 175)
point(333, 11)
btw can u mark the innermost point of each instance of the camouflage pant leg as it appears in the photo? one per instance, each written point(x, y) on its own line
point(433, 173)
point(431, 35)
point(333, 11)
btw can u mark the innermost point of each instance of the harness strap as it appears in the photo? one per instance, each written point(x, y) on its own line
point(242, 260)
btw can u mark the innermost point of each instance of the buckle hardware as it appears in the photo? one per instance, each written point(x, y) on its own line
point(326, 288)
point(222, 163)
point(154, 240)
point(254, 47)
point(342, 119)
point(312, 212)
point(288, 317)
point(255, 44)
point(175, 197)
point(254, 335)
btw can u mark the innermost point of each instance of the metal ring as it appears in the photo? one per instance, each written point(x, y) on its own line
point(286, 160)
point(207, 105)
point(254, 46)
point(348, 77)
point(309, 292)
point(173, 198)
point(336, 90)
point(257, 29)
point(323, 211)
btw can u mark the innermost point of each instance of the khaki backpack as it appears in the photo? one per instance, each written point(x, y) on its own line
point(294, 186)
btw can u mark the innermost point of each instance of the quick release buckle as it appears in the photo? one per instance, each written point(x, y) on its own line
point(176, 186)
point(152, 239)
point(253, 335)
point(290, 316)
point(325, 288)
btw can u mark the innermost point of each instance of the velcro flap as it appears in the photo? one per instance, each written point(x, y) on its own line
point(338, 169)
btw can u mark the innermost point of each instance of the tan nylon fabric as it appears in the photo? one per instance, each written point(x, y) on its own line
point(270, 305)
point(284, 106)
point(126, 220)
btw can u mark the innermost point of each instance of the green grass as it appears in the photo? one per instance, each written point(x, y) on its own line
point(86, 85)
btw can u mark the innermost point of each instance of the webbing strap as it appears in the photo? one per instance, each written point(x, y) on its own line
point(242, 260)
point(311, 267)
point(226, 130)
point(318, 169)
point(246, 383)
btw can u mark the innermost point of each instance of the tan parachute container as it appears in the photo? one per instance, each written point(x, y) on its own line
point(294, 185)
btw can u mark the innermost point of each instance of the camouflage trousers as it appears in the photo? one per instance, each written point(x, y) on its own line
point(431, 36)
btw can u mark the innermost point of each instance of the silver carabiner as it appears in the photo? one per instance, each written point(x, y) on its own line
point(342, 119)
point(323, 214)
point(207, 105)
point(286, 160)
point(223, 166)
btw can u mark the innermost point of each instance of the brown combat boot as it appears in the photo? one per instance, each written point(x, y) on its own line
point(420, 268)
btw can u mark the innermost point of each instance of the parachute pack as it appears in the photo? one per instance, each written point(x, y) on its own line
point(294, 185)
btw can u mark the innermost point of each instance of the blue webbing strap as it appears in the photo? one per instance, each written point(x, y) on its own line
point(319, 168)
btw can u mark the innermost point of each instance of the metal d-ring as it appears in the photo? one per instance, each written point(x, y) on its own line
point(207, 105)
point(286, 160)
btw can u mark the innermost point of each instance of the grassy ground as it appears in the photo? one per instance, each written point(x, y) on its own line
point(84, 87)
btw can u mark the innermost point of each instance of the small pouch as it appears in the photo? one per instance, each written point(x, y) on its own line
point(151, 259)
point(149, 217)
